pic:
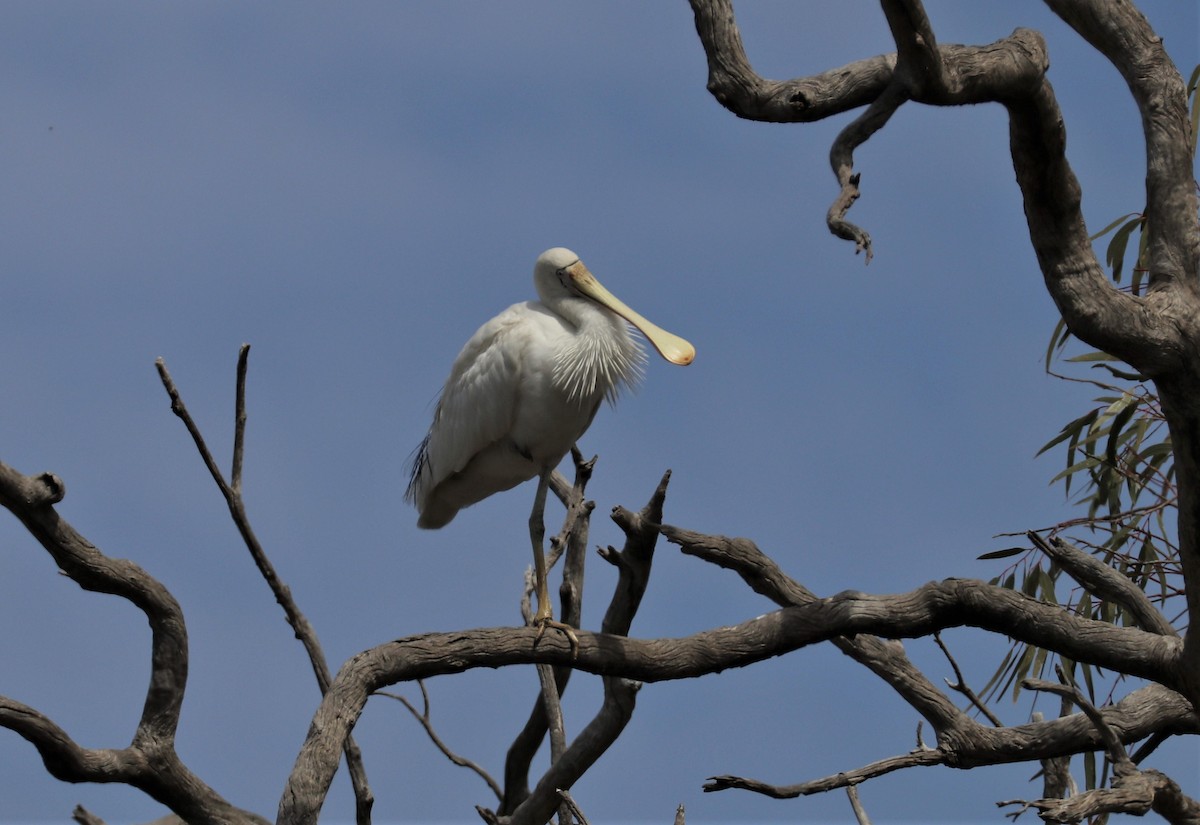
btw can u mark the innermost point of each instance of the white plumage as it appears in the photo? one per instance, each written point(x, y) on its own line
point(525, 387)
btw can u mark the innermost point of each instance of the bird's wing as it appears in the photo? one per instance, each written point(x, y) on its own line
point(478, 401)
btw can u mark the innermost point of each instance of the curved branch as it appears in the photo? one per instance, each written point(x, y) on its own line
point(935, 606)
point(843, 779)
point(1132, 792)
point(1138, 715)
point(841, 159)
point(1095, 311)
point(1103, 581)
point(886, 659)
point(1121, 33)
point(150, 762)
point(737, 87)
point(31, 500)
point(920, 71)
point(423, 719)
point(63, 757)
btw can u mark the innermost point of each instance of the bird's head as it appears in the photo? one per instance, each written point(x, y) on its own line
point(559, 270)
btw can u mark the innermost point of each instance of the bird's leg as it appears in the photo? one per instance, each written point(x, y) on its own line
point(537, 532)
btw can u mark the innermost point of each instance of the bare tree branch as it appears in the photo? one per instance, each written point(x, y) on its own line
point(1103, 581)
point(572, 539)
point(934, 606)
point(150, 762)
point(1133, 791)
point(860, 813)
point(573, 808)
point(423, 717)
point(842, 779)
point(960, 685)
point(232, 492)
point(921, 70)
point(886, 659)
point(633, 564)
point(1157, 333)
point(85, 817)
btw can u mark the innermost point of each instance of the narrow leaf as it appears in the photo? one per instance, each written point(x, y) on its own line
point(1003, 554)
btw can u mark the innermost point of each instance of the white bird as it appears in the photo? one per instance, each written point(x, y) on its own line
point(524, 389)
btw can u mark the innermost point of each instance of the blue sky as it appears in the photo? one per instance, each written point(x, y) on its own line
point(353, 189)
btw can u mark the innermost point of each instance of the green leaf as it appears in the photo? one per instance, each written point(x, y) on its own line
point(1086, 670)
point(1073, 428)
point(1091, 356)
point(1086, 464)
point(1123, 414)
point(1021, 669)
point(1115, 254)
point(1120, 373)
point(1003, 554)
point(1046, 585)
point(1114, 224)
point(1058, 339)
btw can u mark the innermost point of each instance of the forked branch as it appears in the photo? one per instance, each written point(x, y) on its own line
point(1133, 791)
point(232, 492)
point(149, 762)
point(933, 607)
point(633, 564)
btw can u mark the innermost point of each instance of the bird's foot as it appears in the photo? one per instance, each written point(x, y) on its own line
point(543, 622)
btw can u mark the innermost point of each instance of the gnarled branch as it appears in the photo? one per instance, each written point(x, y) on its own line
point(935, 606)
point(150, 761)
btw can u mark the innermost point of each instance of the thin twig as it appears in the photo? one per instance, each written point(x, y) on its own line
point(843, 779)
point(423, 718)
point(364, 799)
point(85, 817)
point(960, 684)
point(1067, 688)
point(553, 708)
point(239, 428)
point(572, 807)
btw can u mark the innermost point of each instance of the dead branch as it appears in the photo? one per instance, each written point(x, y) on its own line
point(842, 779)
point(886, 659)
point(932, 607)
point(633, 564)
point(232, 492)
point(572, 538)
point(572, 808)
point(1133, 791)
point(959, 685)
point(423, 718)
point(860, 813)
point(1103, 581)
point(920, 70)
point(85, 817)
point(149, 762)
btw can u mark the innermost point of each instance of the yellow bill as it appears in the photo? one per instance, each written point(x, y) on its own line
point(669, 346)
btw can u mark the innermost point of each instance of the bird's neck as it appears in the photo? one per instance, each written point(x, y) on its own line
point(601, 358)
